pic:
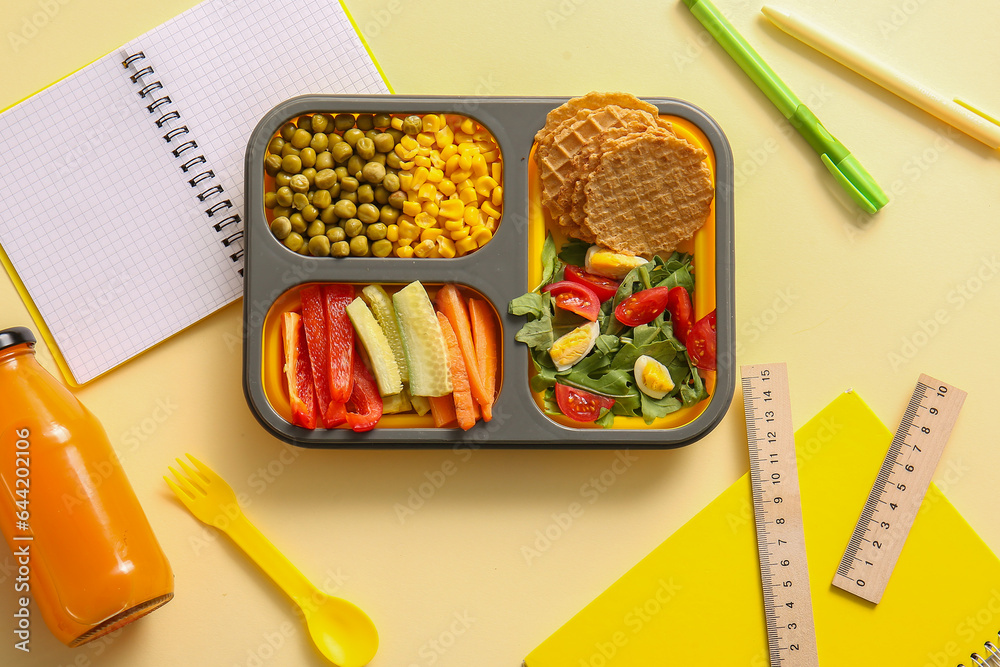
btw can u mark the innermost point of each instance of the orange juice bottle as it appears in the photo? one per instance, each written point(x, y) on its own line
point(82, 547)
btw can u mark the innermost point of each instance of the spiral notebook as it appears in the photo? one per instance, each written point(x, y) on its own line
point(697, 599)
point(123, 183)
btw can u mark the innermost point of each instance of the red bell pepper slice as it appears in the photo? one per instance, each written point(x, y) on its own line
point(336, 414)
point(681, 313)
point(701, 343)
point(365, 398)
point(298, 372)
point(340, 336)
point(314, 322)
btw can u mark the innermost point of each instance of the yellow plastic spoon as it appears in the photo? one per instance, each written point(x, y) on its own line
point(341, 630)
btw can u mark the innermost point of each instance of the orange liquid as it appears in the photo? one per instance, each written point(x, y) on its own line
point(93, 561)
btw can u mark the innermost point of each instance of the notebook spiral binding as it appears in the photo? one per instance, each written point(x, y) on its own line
point(182, 144)
point(989, 658)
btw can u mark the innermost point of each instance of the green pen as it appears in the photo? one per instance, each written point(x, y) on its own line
point(845, 167)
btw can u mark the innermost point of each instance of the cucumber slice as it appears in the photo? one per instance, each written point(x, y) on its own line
point(421, 405)
point(396, 403)
point(383, 361)
point(384, 312)
point(426, 354)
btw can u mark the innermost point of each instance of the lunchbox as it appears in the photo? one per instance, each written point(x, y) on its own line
point(502, 269)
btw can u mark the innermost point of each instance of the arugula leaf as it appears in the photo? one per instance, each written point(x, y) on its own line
point(537, 334)
point(535, 305)
point(607, 418)
point(550, 264)
point(662, 351)
point(574, 251)
point(644, 334)
point(549, 404)
point(653, 408)
point(608, 344)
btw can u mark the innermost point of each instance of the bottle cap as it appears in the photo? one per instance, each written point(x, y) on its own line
point(16, 336)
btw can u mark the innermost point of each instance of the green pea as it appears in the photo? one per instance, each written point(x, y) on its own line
point(392, 160)
point(310, 174)
point(284, 196)
point(282, 179)
point(371, 134)
point(272, 164)
point(382, 248)
point(315, 228)
point(341, 172)
point(343, 121)
point(345, 209)
point(304, 123)
point(340, 249)
point(304, 249)
point(328, 215)
point(298, 223)
point(390, 182)
point(334, 190)
point(281, 227)
point(388, 214)
point(395, 134)
point(412, 125)
point(350, 196)
point(301, 138)
point(320, 122)
point(280, 211)
point(275, 145)
point(324, 160)
point(366, 121)
point(299, 183)
point(348, 184)
point(336, 234)
point(376, 231)
point(287, 130)
point(299, 201)
point(368, 213)
point(289, 149)
point(352, 136)
point(384, 142)
point(397, 198)
point(319, 246)
point(373, 172)
point(359, 246)
point(325, 178)
point(366, 194)
point(309, 214)
point(353, 227)
point(270, 200)
point(365, 148)
point(322, 199)
point(294, 241)
point(291, 163)
point(319, 142)
point(308, 157)
point(354, 166)
point(381, 195)
point(341, 151)
point(382, 120)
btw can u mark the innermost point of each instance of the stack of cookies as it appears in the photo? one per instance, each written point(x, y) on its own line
point(615, 174)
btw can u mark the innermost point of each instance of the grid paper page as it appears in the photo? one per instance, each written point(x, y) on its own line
point(112, 242)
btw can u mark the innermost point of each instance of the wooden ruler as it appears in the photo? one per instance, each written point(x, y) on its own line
point(899, 489)
point(784, 572)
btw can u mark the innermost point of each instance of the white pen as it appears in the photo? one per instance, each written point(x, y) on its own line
point(955, 112)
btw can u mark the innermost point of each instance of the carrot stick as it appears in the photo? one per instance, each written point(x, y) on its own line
point(459, 376)
point(451, 304)
point(484, 333)
point(443, 409)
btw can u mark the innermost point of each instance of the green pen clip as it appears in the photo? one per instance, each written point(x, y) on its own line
point(858, 183)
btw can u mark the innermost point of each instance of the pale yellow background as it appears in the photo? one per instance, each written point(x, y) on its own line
point(819, 285)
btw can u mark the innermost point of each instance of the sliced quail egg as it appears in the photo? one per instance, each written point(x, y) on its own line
point(609, 263)
point(574, 346)
point(652, 377)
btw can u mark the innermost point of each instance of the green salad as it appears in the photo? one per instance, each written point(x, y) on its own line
point(603, 348)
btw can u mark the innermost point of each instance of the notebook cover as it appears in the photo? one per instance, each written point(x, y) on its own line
point(697, 599)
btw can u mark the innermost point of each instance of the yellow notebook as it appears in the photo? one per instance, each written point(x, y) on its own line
point(697, 600)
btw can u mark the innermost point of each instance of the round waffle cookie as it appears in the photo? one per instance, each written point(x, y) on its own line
point(648, 194)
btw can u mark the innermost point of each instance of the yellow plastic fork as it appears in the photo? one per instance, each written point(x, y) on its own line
point(341, 631)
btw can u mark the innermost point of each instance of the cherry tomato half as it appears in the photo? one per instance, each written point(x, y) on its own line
point(642, 307)
point(604, 288)
point(701, 343)
point(581, 405)
point(679, 306)
point(575, 298)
